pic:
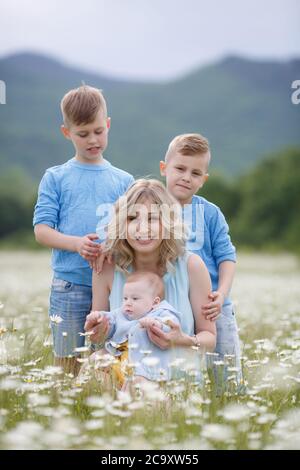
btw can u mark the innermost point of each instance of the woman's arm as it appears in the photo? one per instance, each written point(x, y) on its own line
point(200, 288)
point(102, 284)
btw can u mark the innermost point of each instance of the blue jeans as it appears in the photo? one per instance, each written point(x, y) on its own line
point(71, 302)
point(227, 351)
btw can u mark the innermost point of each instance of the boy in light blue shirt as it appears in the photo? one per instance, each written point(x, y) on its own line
point(185, 168)
point(67, 212)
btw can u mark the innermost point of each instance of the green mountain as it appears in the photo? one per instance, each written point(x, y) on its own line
point(244, 108)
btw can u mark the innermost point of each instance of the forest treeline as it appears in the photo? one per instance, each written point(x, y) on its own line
point(261, 207)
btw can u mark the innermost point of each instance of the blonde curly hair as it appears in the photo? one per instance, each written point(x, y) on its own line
point(174, 238)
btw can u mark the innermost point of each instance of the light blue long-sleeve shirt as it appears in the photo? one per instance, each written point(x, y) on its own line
point(208, 236)
point(72, 199)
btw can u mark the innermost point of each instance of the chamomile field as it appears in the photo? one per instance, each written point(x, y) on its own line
point(43, 408)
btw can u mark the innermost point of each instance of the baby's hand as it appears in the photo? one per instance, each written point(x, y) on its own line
point(92, 319)
point(98, 325)
point(146, 322)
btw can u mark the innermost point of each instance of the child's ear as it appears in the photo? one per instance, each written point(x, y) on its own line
point(65, 131)
point(206, 177)
point(108, 122)
point(156, 301)
point(162, 167)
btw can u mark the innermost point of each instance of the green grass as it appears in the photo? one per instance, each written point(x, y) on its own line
point(40, 408)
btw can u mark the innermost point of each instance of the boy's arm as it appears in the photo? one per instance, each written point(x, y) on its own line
point(212, 310)
point(226, 275)
point(46, 217)
point(222, 247)
point(225, 256)
point(51, 238)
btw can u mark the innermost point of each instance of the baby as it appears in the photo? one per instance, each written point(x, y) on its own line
point(127, 339)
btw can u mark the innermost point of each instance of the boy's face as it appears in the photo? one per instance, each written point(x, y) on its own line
point(185, 175)
point(89, 140)
point(137, 299)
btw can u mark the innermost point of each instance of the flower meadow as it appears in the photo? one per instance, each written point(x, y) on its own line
point(43, 408)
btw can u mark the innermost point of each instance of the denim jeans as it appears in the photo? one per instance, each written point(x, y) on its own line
point(71, 302)
point(226, 362)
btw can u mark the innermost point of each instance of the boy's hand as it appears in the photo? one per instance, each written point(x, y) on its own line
point(213, 309)
point(87, 248)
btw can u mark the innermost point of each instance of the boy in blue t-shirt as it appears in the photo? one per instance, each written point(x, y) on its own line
point(72, 198)
point(185, 168)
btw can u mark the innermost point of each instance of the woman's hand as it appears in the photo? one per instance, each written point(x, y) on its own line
point(175, 337)
point(98, 325)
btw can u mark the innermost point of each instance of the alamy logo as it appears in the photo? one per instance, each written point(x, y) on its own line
point(105, 213)
point(296, 95)
point(139, 221)
point(193, 216)
point(2, 92)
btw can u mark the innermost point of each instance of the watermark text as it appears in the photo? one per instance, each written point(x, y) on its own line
point(2, 92)
point(295, 97)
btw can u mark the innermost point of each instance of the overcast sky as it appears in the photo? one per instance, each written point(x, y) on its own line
point(150, 39)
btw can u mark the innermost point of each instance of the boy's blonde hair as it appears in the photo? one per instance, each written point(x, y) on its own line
point(81, 105)
point(188, 144)
point(154, 282)
point(171, 246)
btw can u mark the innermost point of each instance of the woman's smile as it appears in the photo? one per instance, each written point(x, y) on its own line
point(145, 241)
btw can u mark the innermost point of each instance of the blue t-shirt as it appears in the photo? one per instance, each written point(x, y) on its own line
point(73, 198)
point(208, 236)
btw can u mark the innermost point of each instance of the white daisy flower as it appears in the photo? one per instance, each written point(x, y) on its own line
point(56, 319)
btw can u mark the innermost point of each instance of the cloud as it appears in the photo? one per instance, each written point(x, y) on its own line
point(150, 39)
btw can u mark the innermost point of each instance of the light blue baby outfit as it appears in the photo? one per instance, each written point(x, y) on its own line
point(209, 238)
point(140, 348)
point(186, 362)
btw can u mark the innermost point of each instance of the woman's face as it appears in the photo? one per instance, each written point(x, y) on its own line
point(144, 227)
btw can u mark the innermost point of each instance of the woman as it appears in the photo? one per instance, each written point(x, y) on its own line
point(146, 234)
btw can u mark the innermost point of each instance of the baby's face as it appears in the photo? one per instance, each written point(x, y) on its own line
point(137, 299)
